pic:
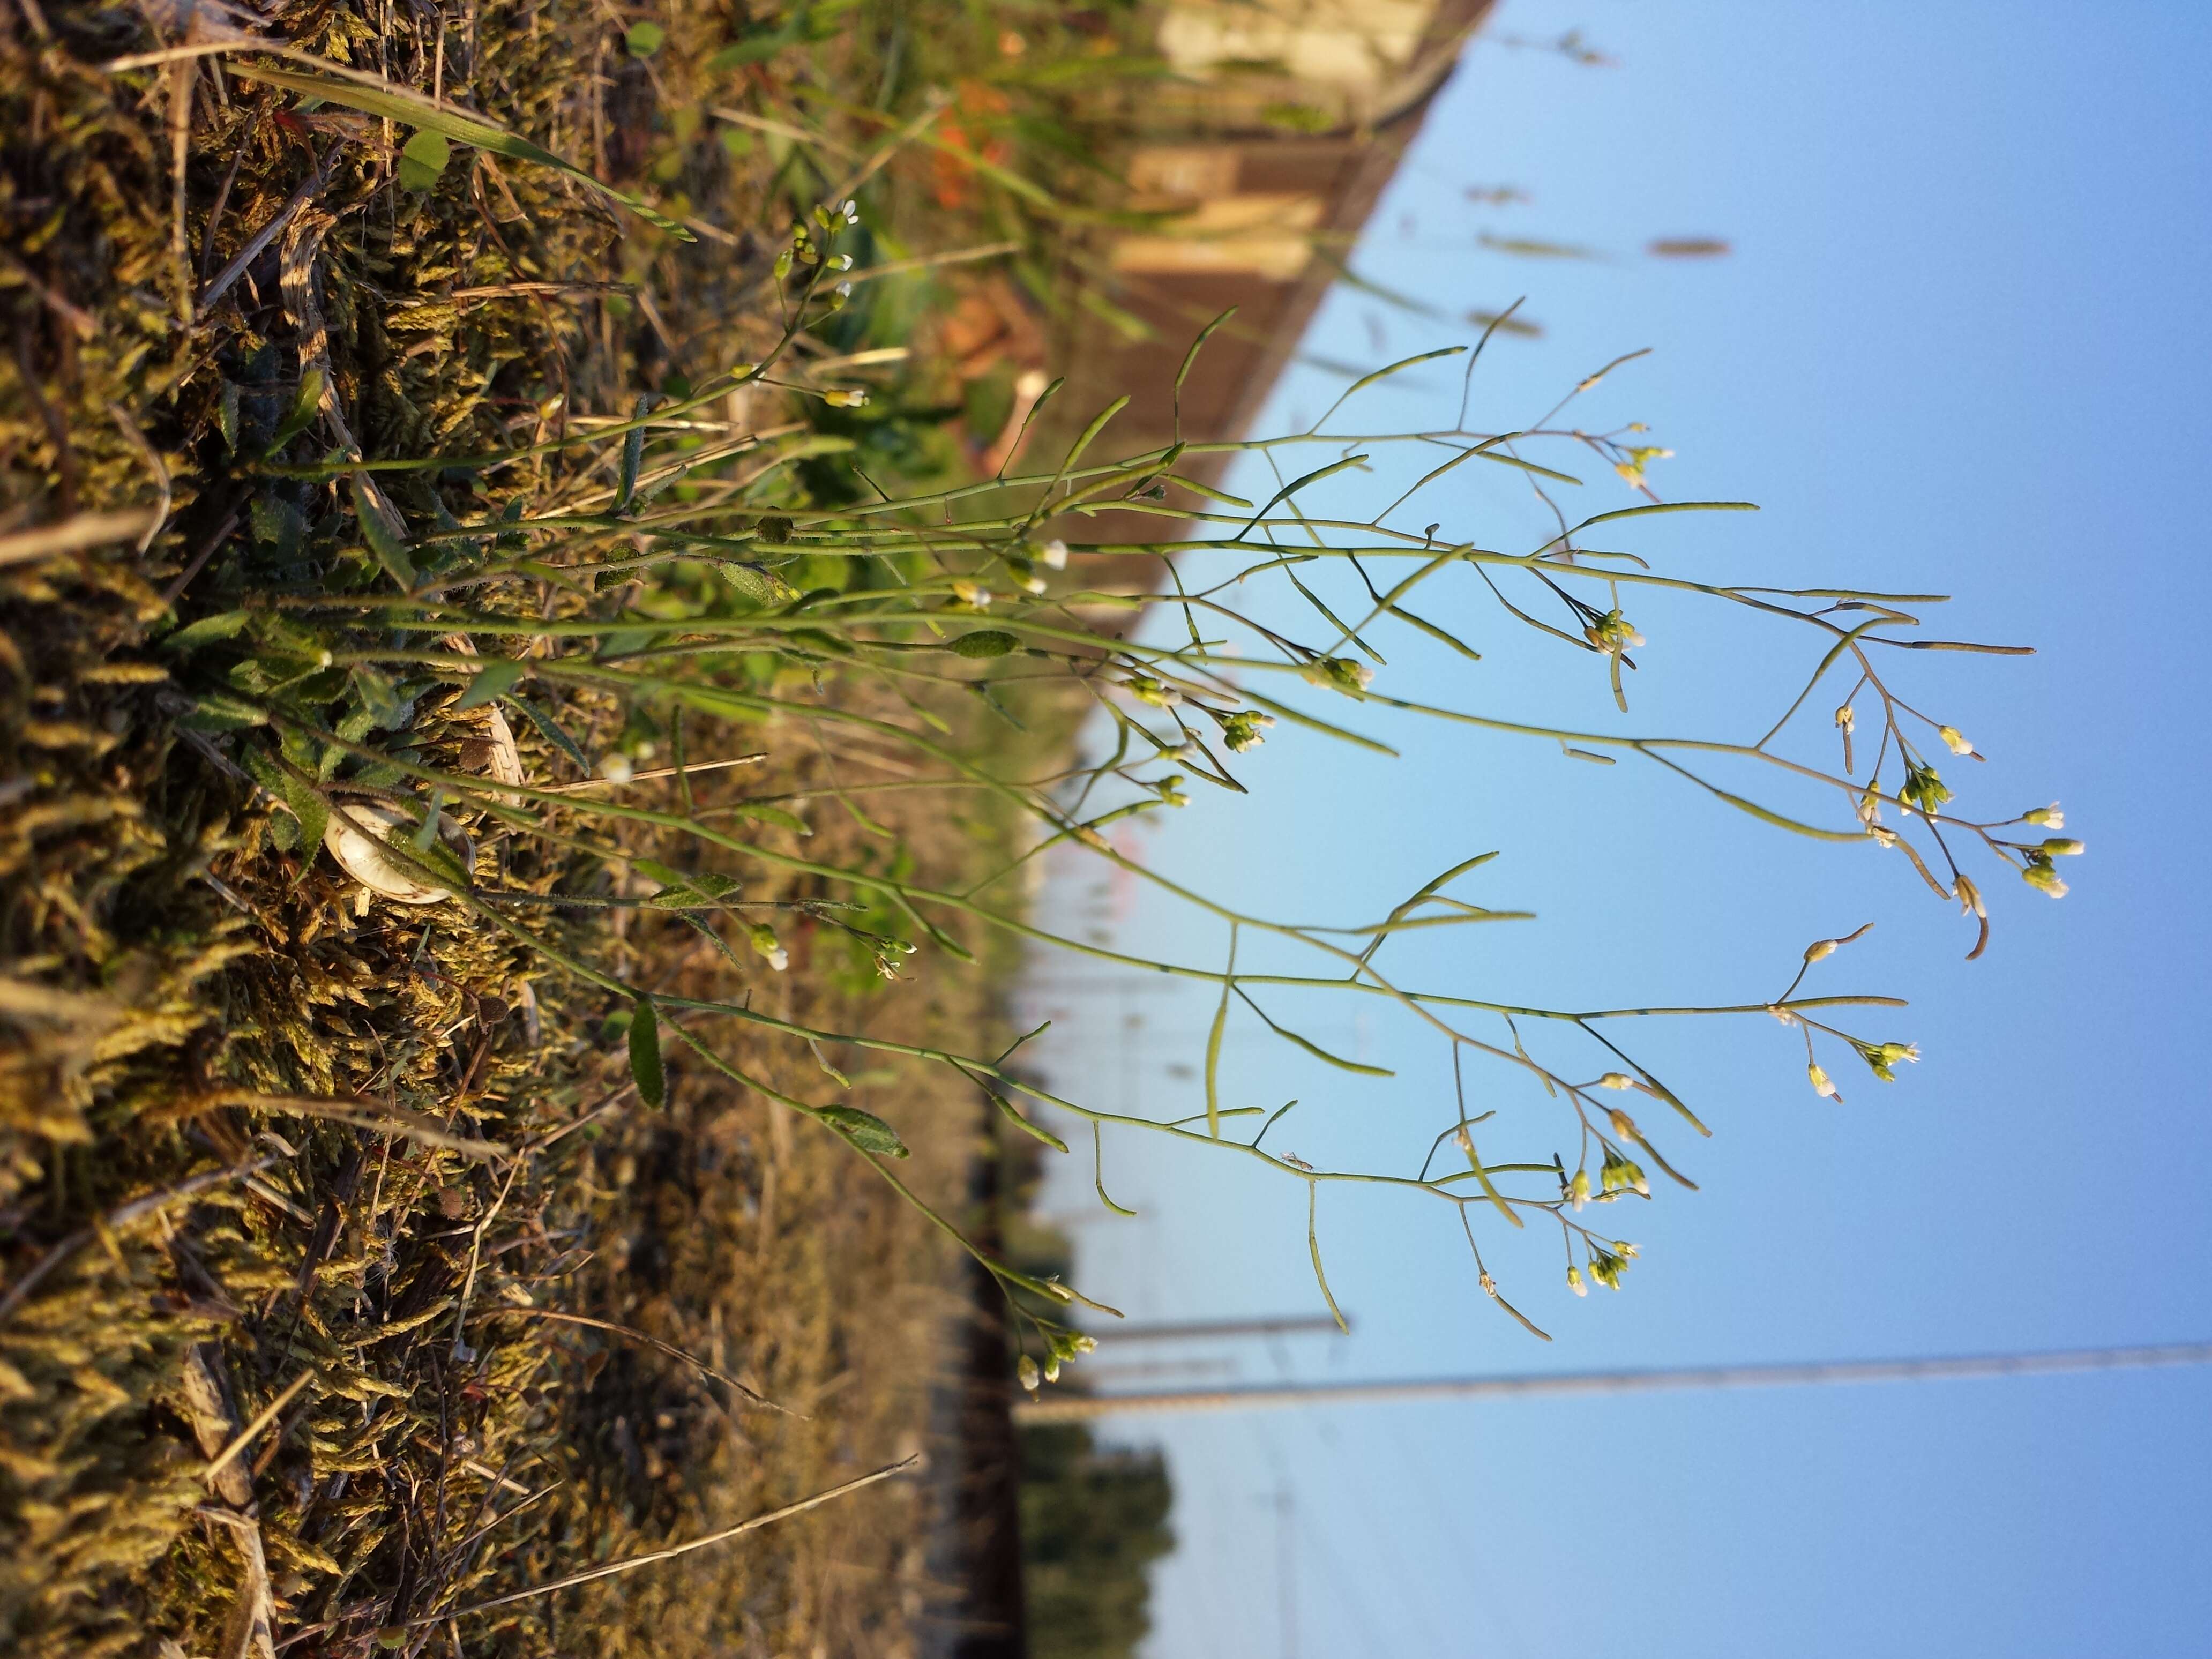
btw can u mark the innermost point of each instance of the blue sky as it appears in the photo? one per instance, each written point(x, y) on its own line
point(1960, 347)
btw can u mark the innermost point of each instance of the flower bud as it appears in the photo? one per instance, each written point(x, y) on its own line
point(1611, 633)
point(1616, 1080)
point(1881, 1057)
point(1954, 741)
point(1821, 1084)
point(1847, 720)
point(765, 941)
point(2041, 876)
point(1969, 897)
point(2063, 846)
point(1579, 1188)
point(2044, 817)
point(1923, 788)
point(1821, 949)
point(1575, 1282)
point(972, 593)
point(1027, 1371)
point(1054, 556)
point(1242, 730)
point(1342, 674)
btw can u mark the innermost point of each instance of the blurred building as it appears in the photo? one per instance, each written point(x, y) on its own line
point(1263, 152)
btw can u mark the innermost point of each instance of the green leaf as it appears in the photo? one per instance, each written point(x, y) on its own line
point(645, 39)
point(864, 1129)
point(383, 529)
point(495, 679)
point(632, 456)
point(550, 730)
point(754, 584)
point(423, 159)
point(216, 712)
point(314, 813)
point(776, 815)
point(278, 525)
point(372, 95)
point(225, 625)
point(306, 405)
point(387, 708)
point(645, 1055)
point(985, 642)
point(226, 416)
point(684, 892)
point(310, 812)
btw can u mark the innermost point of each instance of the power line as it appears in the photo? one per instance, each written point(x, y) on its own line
point(1198, 1329)
point(1073, 1408)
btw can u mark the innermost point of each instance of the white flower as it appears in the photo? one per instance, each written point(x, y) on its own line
point(1054, 556)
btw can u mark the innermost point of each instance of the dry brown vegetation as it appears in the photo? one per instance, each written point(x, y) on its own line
point(256, 1126)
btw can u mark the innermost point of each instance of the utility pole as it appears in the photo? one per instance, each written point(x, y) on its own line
point(1073, 1408)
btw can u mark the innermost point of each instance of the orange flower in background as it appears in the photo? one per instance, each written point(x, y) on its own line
point(953, 176)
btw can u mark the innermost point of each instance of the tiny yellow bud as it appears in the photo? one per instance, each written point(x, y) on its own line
point(1616, 1080)
point(1954, 741)
point(1822, 1085)
point(1575, 1282)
